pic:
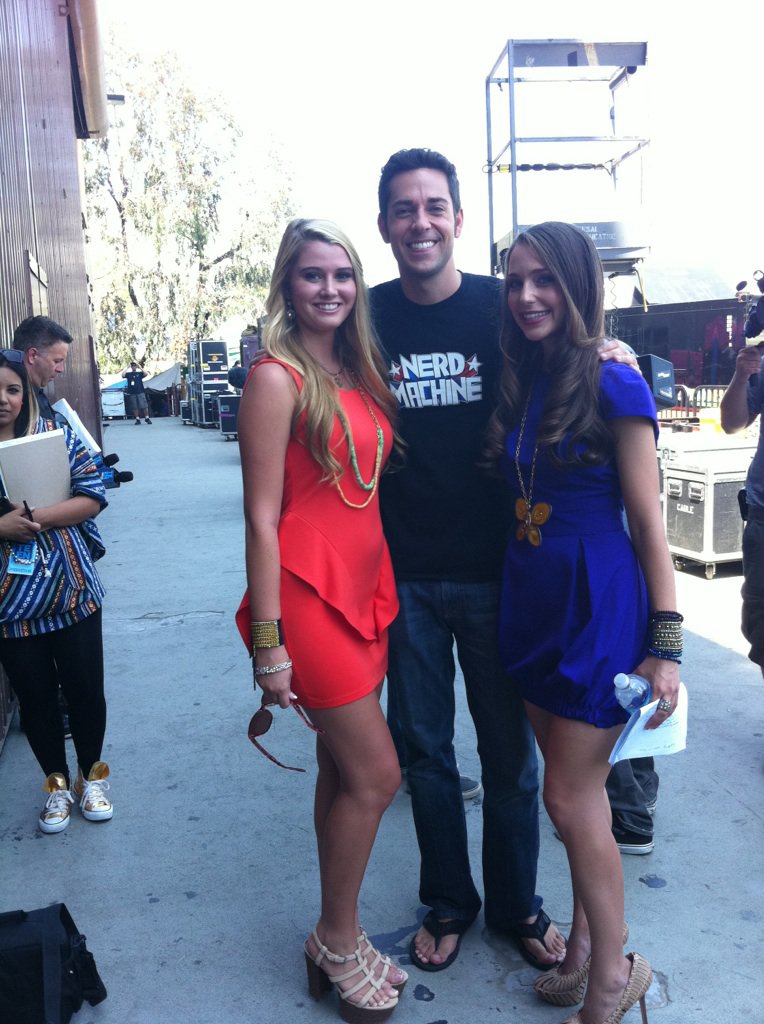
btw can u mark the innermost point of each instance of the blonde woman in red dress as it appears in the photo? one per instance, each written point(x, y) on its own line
point(315, 432)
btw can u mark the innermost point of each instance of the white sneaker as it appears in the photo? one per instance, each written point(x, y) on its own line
point(54, 817)
point(91, 793)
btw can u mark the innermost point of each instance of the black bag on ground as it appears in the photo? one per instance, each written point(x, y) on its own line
point(46, 970)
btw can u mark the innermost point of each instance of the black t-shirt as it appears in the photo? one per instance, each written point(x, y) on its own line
point(134, 380)
point(444, 517)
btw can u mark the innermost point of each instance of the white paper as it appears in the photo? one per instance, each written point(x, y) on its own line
point(36, 469)
point(668, 738)
point(79, 428)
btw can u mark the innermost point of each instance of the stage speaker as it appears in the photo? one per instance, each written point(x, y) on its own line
point(659, 374)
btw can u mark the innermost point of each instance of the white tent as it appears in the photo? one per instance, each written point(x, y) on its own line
point(166, 379)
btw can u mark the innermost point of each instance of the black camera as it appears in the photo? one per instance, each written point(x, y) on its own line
point(754, 312)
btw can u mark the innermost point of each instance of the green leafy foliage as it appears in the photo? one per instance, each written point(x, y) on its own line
point(182, 226)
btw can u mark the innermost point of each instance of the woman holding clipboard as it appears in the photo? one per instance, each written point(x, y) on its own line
point(50, 613)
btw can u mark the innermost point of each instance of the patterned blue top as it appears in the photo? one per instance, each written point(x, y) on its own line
point(64, 587)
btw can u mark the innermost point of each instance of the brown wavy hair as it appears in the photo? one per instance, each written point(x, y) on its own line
point(571, 413)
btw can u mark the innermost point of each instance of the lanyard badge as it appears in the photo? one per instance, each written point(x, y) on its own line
point(22, 558)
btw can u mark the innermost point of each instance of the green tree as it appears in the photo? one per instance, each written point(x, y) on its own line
point(182, 229)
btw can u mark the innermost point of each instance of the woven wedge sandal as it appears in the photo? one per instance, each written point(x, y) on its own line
point(640, 977)
point(567, 989)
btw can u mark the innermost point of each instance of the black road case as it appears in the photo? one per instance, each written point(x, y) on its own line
point(228, 413)
point(207, 377)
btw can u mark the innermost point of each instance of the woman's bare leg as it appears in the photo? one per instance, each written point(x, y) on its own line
point(358, 778)
point(575, 769)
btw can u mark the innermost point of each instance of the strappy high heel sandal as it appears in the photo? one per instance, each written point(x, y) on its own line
point(380, 958)
point(567, 989)
point(353, 1011)
point(640, 976)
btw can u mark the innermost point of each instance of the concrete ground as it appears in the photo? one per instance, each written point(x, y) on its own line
point(197, 896)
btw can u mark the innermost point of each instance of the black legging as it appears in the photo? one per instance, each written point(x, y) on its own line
point(71, 658)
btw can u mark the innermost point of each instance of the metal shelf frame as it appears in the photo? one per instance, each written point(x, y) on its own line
point(608, 63)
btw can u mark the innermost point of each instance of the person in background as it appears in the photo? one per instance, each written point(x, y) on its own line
point(237, 376)
point(742, 402)
point(135, 393)
point(632, 790)
point(315, 433)
point(45, 345)
point(582, 597)
point(50, 615)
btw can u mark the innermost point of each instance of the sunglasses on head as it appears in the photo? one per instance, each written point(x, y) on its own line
point(12, 355)
point(261, 722)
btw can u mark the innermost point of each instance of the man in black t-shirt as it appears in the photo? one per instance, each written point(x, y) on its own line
point(445, 522)
point(135, 394)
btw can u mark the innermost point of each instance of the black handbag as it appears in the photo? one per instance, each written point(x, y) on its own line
point(46, 970)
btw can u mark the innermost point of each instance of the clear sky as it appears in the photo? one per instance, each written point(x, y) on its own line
point(339, 87)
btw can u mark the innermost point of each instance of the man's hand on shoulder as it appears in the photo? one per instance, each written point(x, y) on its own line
point(619, 352)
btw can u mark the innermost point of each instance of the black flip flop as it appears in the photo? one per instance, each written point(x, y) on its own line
point(438, 930)
point(536, 930)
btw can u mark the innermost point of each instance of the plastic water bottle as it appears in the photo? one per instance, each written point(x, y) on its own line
point(631, 691)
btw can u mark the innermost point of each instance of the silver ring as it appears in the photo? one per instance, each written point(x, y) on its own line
point(665, 705)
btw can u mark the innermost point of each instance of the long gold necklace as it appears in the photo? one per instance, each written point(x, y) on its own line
point(530, 516)
point(372, 484)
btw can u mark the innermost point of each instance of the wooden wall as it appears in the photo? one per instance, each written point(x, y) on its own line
point(42, 246)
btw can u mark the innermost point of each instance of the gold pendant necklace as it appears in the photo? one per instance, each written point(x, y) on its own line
point(530, 516)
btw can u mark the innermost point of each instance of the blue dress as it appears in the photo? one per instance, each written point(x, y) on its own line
point(574, 610)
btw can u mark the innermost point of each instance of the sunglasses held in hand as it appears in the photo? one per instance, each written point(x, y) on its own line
point(261, 722)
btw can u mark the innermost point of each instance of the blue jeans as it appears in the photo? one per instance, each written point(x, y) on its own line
point(421, 676)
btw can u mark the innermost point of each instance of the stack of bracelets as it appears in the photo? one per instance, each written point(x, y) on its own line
point(264, 635)
point(664, 637)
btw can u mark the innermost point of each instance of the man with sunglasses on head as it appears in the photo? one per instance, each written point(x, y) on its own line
point(45, 345)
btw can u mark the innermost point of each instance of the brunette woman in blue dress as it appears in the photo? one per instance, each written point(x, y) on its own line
point(583, 597)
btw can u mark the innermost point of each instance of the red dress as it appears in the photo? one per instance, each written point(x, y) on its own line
point(337, 587)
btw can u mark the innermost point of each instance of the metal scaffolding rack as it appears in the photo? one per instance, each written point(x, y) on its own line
point(561, 61)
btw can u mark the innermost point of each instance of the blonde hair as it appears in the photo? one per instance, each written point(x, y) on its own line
point(356, 344)
point(34, 410)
